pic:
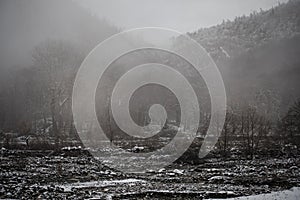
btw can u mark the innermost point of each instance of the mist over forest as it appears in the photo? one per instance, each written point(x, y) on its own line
point(253, 53)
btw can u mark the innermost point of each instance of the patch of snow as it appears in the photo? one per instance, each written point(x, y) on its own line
point(161, 170)
point(71, 148)
point(137, 148)
point(217, 178)
point(170, 174)
point(221, 192)
point(69, 187)
point(292, 194)
point(150, 171)
point(178, 171)
point(225, 52)
point(213, 169)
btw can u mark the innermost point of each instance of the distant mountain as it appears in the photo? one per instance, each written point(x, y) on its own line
point(258, 52)
point(232, 38)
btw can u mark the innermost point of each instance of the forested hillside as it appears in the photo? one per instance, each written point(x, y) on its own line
point(258, 52)
point(232, 38)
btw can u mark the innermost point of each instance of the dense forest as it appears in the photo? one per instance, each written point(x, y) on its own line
point(259, 51)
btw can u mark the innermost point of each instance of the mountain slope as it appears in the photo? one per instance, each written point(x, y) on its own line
point(248, 32)
point(258, 52)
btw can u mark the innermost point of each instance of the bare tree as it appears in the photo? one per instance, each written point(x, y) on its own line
point(289, 125)
point(56, 63)
point(228, 132)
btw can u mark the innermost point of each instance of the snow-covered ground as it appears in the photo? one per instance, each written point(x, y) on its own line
point(292, 194)
point(95, 184)
point(38, 174)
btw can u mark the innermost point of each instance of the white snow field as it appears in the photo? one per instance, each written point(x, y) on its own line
point(292, 194)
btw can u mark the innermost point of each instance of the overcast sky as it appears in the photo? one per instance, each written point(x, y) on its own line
point(181, 15)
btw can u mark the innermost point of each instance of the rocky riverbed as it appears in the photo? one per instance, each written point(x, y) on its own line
point(46, 175)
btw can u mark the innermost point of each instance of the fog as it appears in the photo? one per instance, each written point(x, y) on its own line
point(23, 24)
point(184, 16)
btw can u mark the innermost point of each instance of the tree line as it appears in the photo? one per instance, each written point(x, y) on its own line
point(36, 102)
